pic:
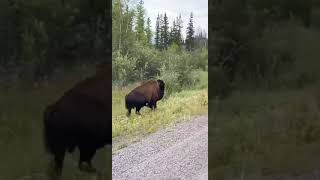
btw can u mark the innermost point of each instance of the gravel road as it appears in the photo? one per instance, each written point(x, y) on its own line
point(179, 152)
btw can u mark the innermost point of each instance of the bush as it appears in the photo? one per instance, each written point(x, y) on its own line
point(123, 69)
point(148, 61)
point(178, 68)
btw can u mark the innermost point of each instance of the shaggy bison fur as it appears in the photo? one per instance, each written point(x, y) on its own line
point(147, 94)
point(80, 118)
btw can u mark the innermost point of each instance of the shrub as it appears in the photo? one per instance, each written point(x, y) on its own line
point(123, 69)
point(177, 67)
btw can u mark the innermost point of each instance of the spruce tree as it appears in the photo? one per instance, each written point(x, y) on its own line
point(179, 27)
point(157, 37)
point(172, 36)
point(161, 32)
point(190, 34)
point(148, 31)
point(165, 32)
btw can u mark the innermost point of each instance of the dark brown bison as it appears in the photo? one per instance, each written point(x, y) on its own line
point(80, 118)
point(147, 94)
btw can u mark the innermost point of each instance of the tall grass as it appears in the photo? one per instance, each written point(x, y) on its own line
point(174, 107)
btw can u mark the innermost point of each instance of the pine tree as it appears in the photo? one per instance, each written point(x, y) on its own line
point(190, 34)
point(157, 37)
point(179, 27)
point(165, 32)
point(148, 31)
point(161, 32)
point(200, 39)
point(172, 36)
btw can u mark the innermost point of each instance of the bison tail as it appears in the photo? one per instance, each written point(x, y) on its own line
point(48, 140)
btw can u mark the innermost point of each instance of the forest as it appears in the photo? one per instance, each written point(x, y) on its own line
point(141, 52)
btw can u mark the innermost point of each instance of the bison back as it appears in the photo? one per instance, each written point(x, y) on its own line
point(149, 89)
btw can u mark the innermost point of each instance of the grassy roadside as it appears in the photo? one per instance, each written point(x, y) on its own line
point(253, 135)
point(176, 107)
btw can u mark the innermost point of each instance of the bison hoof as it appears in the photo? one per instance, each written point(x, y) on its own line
point(54, 173)
point(128, 114)
point(138, 113)
point(87, 168)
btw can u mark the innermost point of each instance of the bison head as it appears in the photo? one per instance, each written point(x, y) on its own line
point(161, 87)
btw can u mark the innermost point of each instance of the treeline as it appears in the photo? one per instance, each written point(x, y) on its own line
point(140, 52)
point(263, 43)
point(38, 36)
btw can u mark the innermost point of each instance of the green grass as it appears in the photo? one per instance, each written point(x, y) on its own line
point(263, 133)
point(22, 150)
point(176, 107)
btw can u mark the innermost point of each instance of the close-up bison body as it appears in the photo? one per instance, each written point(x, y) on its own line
point(146, 94)
point(80, 118)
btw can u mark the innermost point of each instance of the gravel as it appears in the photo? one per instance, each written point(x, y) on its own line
point(179, 152)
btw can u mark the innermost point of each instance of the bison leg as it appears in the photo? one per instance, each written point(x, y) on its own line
point(58, 160)
point(138, 110)
point(129, 112)
point(153, 105)
point(86, 155)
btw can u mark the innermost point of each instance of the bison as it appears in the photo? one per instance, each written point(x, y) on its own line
point(147, 94)
point(81, 119)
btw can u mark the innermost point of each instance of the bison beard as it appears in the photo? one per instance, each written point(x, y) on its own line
point(81, 118)
point(145, 95)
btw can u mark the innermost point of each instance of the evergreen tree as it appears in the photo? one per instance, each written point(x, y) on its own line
point(200, 39)
point(148, 31)
point(161, 32)
point(190, 34)
point(158, 31)
point(172, 36)
point(178, 35)
point(165, 32)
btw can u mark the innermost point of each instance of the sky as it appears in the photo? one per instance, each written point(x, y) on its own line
point(175, 7)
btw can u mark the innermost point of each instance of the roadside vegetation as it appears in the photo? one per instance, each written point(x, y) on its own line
point(178, 106)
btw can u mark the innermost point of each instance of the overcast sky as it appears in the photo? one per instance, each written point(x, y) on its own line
point(175, 7)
